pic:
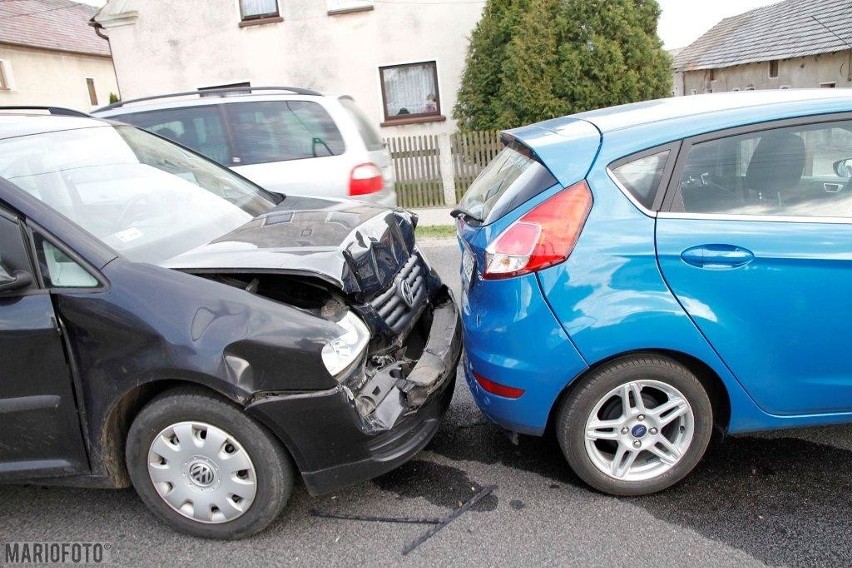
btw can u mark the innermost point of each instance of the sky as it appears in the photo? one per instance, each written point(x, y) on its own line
point(682, 21)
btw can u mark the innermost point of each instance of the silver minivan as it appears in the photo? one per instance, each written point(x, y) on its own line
point(285, 139)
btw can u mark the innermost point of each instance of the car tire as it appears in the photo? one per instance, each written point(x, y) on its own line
point(224, 476)
point(646, 447)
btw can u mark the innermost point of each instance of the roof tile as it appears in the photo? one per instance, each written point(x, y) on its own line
point(50, 24)
point(793, 28)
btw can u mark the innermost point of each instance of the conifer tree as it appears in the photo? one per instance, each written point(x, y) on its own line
point(530, 60)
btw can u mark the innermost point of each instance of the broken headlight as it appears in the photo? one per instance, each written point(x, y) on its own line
point(341, 352)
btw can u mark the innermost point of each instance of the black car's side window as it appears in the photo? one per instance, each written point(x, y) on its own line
point(59, 270)
point(797, 171)
point(13, 250)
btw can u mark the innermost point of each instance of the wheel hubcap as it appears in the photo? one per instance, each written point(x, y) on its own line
point(639, 430)
point(202, 472)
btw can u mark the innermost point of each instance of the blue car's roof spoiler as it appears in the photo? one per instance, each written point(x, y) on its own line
point(565, 146)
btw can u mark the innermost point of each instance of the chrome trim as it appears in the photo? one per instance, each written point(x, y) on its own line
point(628, 195)
point(769, 218)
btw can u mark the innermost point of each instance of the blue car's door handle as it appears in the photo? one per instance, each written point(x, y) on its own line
point(717, 256)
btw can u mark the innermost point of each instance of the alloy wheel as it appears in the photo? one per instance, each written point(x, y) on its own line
point(639, 430)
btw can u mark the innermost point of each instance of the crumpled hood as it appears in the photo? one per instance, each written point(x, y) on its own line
point(357, 246)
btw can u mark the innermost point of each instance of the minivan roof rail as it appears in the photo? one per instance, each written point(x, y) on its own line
point(51, 109)
point(219, 91)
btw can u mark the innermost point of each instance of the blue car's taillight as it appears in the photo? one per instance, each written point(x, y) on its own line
point(544, 236)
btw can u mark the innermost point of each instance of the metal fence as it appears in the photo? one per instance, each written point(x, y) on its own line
point(436, 170)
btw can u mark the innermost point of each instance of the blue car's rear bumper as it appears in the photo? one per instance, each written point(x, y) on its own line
point(512, 337)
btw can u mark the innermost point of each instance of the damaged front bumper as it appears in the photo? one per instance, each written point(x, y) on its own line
point(342, 436)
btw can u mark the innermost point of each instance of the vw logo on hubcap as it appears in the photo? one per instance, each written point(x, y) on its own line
point(639, 430)
point(403, 290)
point(201, 473)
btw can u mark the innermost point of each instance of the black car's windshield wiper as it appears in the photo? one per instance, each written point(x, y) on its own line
point(466, 215)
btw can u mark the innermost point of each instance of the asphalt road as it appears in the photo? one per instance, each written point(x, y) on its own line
point(780, 499)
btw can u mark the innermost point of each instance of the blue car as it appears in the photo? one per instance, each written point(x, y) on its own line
point(635, 278)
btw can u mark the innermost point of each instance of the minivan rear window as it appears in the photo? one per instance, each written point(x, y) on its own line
point(368, 133)
point(198, 127)
point(512, 177)
point(279, 131)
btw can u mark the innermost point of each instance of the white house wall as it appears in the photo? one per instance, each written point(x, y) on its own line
point(174, 46)
point(42, 77)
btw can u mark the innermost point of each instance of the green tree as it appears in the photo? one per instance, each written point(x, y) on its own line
point(478, 101)
point(530, 60)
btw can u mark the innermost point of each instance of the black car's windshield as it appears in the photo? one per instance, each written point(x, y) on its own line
point(146, 198)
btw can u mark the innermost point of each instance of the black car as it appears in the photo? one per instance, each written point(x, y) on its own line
point(166, 323)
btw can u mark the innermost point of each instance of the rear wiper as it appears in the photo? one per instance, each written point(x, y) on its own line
point(466, 215)
point(317, 141)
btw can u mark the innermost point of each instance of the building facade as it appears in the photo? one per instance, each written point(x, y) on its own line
point(49, 55)
point(401, 61)
point(792, 44)
point(825, 70)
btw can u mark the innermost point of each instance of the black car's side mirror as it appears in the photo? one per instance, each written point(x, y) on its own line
point(843, 168)
point(15, 281)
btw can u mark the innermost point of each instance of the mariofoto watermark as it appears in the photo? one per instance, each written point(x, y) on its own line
point(56, 553)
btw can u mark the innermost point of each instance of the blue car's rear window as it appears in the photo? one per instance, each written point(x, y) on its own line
point(512, 178)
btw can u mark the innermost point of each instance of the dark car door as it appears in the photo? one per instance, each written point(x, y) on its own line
point(40, 432)
point(758, 250)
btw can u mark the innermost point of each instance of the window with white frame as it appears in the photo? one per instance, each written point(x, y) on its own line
point(345, 6)
point(410, 91)
point(255, 9)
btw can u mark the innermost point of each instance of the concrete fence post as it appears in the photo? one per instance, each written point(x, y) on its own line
point(448, 174)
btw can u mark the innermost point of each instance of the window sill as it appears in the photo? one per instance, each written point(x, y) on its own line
point(413, 120)
point(353, 10)
point(261, 21)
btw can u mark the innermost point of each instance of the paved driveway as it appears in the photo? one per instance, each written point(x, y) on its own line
point(777, 499)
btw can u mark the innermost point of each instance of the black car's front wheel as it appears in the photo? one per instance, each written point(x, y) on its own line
point(205, 467)
point(636, 426)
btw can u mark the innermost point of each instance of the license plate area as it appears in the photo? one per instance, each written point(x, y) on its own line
point(468, 265)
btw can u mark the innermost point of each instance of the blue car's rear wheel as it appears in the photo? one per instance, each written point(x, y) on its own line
point(635, 426)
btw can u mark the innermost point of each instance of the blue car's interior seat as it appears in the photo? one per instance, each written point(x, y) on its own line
point(776, 166)
point(701, 190)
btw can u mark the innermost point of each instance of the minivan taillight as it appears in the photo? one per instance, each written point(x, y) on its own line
point(366, 178)
point(544, 236)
